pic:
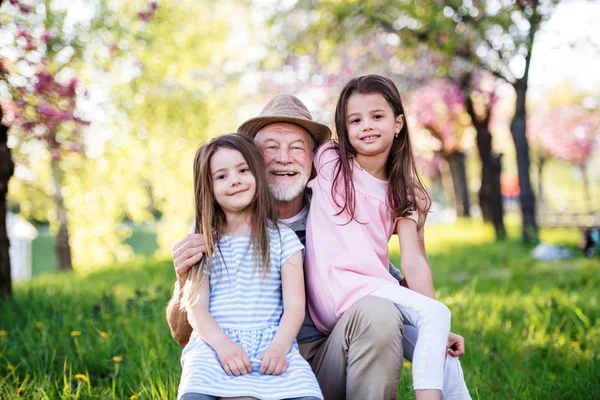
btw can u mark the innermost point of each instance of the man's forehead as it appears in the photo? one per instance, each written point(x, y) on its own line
point(281, 131)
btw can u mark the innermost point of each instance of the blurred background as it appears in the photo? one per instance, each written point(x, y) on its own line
point(107, 102)
point(104, 103)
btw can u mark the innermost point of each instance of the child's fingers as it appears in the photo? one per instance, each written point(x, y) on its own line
point(281, 366)
point(239, 363)
point(234, 368)
point(264, 365)
point(247, 363)
point(227, 369)
point(272, 367)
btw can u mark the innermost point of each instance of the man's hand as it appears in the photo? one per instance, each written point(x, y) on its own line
point(186, 253)
point(233, 358)
point(456, 345)
point(274, 361)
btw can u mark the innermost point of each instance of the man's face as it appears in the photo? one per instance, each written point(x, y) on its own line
point(288, 157)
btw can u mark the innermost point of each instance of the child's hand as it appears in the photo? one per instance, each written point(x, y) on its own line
point(456, 345)
point(274, 361)
point(234, 359)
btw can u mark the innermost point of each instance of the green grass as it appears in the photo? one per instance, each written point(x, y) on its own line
point(532, 329)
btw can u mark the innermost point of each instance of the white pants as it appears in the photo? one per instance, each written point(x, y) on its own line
point(432, 321)
point(455, 387)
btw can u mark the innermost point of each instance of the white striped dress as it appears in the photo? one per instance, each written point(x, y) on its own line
point(248, 309)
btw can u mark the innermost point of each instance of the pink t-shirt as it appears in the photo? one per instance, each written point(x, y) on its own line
point(345, 260)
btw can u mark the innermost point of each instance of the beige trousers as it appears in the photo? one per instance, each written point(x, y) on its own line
point(362, 357)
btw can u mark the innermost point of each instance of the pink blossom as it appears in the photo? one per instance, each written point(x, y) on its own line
point(437, 107)
point(55, 154)
point(46, 36)
point(14, 2)
point(113, 49)
point(8, 112)
point(567, 132)
point(44, 83)
point(148, 14)
point(144, 16)
point(25, 9)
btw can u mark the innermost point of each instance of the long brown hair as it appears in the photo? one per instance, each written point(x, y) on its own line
point(210, 218)
point(405, 188)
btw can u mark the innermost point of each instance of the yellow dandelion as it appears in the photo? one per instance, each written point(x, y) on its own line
point(406, 364)
point(39, 325)
point(575, 344)
point(82, 377)
point(3, 334)
point(104, 335)
point(134, 397)
point(10, 367)
point(75, 333)
point(20, 390)
point(117, 359)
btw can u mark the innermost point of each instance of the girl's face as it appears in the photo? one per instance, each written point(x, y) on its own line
point(371, 124)
point(234, 186)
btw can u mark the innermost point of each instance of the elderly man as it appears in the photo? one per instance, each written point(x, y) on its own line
point(362, 357)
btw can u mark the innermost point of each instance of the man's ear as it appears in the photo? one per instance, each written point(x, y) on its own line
point(399, 123)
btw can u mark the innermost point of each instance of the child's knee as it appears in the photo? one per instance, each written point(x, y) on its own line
point(440, 315)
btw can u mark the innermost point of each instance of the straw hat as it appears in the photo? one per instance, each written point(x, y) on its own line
point(286, 108)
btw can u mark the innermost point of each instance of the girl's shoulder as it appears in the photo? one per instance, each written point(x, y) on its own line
point(328, 151)
point(280, 229)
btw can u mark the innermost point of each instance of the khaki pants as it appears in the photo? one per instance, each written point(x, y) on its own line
point(362, 357)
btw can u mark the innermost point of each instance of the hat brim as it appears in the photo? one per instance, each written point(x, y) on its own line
point(320, 133)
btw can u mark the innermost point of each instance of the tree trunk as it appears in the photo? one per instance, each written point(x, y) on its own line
point(63, 248)
point(456, 161)
point(586, 185)
point(540, 170)
point(6, 171)
point(526, 197)
point(490, 193)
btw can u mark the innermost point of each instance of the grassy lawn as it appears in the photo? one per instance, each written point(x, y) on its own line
point(532, 328)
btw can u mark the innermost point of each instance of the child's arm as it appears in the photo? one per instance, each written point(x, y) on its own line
point(274, 359)
point(233, 357)
point(413, 261)
point(456, 343)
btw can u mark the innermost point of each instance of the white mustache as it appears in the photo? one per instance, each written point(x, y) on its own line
point(290, 168)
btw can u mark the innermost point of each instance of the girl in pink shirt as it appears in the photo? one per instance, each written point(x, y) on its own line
point(366, 189)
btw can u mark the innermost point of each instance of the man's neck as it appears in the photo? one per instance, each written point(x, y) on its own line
point(289, 209)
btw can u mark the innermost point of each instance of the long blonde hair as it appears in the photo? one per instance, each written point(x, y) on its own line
point(210, 219)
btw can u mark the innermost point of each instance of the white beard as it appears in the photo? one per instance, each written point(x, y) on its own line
point(286, 191)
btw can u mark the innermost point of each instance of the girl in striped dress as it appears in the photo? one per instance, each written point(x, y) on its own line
point(245, 300)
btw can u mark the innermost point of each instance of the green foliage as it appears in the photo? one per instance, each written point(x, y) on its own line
point(166, 92)
point(532, 328)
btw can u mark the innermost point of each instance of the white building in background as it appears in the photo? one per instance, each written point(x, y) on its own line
point(20, 234)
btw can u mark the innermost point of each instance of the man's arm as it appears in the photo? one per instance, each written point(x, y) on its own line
point(186, 253)
point(181, 330)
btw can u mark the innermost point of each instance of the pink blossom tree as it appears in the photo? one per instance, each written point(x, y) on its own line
point(6, 171)
point(568, 133)
point(438, 107)
point(42, 80)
